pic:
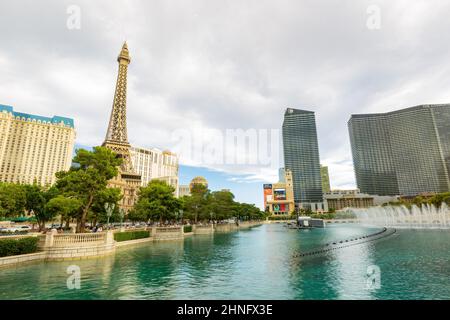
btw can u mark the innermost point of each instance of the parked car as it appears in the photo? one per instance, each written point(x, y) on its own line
point(17, 229)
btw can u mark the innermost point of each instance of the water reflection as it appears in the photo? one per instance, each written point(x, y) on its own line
point(261, 263)
point(350, 271)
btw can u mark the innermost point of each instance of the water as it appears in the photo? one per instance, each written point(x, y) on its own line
point(425, 217)
point(259, 263)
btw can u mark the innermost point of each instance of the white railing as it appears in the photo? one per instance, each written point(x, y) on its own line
point(167, 229)
point(79, 239)
point(204, 226)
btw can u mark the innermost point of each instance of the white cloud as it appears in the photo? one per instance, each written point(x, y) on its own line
point(225, 65)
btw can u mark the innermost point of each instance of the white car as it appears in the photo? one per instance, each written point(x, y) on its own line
point(18, 229)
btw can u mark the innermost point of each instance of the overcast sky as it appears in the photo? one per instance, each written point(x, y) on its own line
point(217, 64)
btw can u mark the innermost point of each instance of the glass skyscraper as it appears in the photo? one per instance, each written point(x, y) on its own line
point(301, 156)
point(404, 152)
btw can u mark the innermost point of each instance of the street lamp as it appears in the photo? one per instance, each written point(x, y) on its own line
point(211, 215)
point(122, 215)
point(109, 208)
point(181, 211)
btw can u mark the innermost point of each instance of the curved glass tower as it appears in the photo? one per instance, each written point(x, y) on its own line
point(404, 152)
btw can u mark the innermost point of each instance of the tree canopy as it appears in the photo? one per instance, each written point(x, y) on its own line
point(88, 179)
point(13, 200)
point(156, 203)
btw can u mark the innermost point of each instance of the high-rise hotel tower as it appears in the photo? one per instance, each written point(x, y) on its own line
point(404, 152)
point(301, 156)
point(154, 164)
point(33, 148)
point(117, 137)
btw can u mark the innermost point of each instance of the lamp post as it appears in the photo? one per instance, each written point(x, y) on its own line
point(211, 215)
point(109, 208)
point(181, 215)
point(122, 215)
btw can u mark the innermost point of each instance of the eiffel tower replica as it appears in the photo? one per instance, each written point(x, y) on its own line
point(117, 138)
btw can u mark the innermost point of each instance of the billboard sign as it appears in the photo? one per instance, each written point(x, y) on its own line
point(279, 194)
point(267, 194)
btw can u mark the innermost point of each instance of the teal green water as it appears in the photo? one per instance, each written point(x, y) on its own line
point(259, 263)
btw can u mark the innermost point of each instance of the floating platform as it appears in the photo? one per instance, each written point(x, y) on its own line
point(306, 223)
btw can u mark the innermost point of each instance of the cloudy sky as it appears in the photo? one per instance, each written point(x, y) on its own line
point(200, 67)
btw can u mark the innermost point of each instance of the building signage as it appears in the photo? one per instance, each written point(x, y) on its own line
point(279, 194)
point(280, 207)
point(267, 194)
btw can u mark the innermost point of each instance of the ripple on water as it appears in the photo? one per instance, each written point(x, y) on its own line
point(256, 264)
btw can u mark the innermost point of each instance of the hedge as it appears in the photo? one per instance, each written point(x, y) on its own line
point(10, 233)
point(13, 247)
point(131, 235)
point(187, 228)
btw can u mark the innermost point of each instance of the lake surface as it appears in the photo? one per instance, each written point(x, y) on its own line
point(258, 263)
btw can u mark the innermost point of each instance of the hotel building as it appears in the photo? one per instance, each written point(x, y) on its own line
point(33, 148)
point(301, 157)
point(279, 197)
point(325, 179)
point(184, 190)
point(404, 152)
point(156, 164)
point(341, 199)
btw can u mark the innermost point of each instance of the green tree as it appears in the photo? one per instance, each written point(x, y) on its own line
point(222, 205)
point(418, 201)
point(68, 208)
point(439, 198)
point(98, 211)
point(245, 211)
point(88, 179)
point(156, 202)
point(12, 200)
point(36, 199)
point(197, 205)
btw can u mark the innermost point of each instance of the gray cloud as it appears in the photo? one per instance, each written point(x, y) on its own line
point(225, 64)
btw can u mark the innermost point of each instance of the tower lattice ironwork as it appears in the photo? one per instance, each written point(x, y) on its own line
point(117, 137)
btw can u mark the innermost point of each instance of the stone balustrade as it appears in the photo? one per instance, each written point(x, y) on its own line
point(79, 239)
point(203, 229)
point(167, 233)
point(76, 246)
point(54, 246)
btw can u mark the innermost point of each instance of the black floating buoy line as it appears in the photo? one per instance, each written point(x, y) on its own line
point(349, 242)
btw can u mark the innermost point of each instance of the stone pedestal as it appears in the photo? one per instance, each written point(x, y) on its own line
point(49, 238)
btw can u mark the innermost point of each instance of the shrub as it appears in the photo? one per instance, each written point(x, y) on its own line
point(13, 247)
point(131, 235)
point(187, 228)
point(9, 233)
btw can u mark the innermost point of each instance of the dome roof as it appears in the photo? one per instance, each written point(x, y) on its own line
point(198, 180)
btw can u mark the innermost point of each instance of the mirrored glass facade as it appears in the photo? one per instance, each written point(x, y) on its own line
point(405, 152)
point(301, 155)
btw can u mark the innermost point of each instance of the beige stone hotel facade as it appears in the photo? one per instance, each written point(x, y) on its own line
point(33, 148)
point(279, 197)
point(154, 164)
